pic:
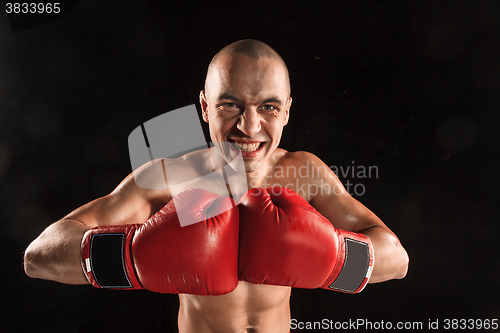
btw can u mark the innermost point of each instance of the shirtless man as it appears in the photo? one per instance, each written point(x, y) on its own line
point(246, 102)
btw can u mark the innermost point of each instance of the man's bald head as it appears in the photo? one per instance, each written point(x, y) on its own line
point(251, 48)
point(247, 101)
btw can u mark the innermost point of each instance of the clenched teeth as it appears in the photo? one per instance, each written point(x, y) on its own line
point(247, 147)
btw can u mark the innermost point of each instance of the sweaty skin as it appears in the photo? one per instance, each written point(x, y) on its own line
point(246, 101)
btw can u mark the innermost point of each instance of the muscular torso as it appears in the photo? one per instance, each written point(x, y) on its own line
point(250, 307)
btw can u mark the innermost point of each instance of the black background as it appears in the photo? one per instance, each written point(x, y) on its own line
point(410, 87)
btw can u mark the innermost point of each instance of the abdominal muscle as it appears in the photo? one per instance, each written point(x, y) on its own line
point(248, 308)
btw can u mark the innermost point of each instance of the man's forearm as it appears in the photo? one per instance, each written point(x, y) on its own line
point(391, 259)
point(55, 254)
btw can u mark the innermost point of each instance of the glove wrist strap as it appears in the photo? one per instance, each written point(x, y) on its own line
point(355, 265)
point(106, 259)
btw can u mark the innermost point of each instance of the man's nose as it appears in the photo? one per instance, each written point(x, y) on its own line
point(249, 122)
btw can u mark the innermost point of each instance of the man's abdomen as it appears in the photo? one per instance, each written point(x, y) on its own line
point(249, 308)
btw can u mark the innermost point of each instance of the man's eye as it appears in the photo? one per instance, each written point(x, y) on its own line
point(269, 107)
point(229, 105)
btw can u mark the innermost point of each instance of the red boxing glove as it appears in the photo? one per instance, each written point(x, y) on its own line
point(285, 241)
point(162, 256)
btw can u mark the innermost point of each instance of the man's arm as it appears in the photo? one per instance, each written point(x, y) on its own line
point(345, 212)
point(55, 253)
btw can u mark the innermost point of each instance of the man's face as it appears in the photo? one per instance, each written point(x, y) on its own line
point(247, 103)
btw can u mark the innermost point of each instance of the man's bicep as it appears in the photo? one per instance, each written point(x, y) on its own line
point(127, 204)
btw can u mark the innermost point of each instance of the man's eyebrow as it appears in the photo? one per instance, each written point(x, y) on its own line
point(272, 100)
point(228, 96)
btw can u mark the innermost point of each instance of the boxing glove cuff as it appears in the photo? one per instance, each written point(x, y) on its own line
point(354, 263)
point(105, 257)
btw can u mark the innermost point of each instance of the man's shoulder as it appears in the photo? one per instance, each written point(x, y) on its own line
point(304, 165)
point(157, 173)
point(194, 158)
point(303, 172)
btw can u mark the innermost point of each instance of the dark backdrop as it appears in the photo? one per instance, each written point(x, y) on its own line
point(408, 87)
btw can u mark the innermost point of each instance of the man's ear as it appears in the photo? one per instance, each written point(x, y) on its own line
point(204, 105)
point(287, 110)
